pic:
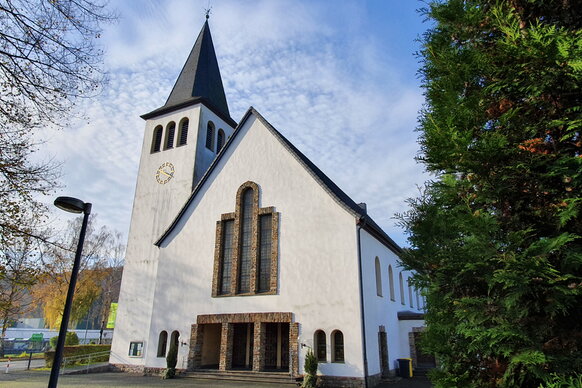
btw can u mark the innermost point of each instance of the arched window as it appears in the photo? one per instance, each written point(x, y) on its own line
point(246, 260)
point(157, 139)
point(391, 281)
point(378, 277)
point(219, 140)
point(337, 346)
point(170, 132)
point(210, 135)
point(401, 288)
point(246, 241)
point(162, 344)
point(320, 347)
point(409, 293)
point(175, 338)
point(183, 136)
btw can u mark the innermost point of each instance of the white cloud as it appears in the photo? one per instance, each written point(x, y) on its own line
point(319, 79)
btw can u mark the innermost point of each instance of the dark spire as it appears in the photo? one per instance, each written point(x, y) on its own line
point(199, 79)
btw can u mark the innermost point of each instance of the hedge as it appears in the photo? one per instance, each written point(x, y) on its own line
point(72, 351)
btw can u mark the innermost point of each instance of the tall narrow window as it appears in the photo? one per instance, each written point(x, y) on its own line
point(170, 132)
point(175, 338)
point(265, 225)
point(210, 135)
point(227, 232)
point(157, 140)
point(410, 293)
point(401, 288)
point(183, 138)
point(219, 140)
point(337, 346)
point(246, 254)
point(246, 241)
point(391, 281)
point(320, 346)
point(162, 344)
point(378, 277)
point(417, 299)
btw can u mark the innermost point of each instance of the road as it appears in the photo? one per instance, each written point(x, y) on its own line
point(21, 364)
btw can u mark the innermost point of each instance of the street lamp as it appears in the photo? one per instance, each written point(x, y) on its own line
point(72, 205)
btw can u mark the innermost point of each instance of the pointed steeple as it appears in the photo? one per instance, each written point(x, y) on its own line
point(199, 80)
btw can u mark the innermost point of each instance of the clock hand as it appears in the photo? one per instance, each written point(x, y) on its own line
point(165, 173)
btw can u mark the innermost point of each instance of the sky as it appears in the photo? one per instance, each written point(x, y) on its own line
point(337, 78)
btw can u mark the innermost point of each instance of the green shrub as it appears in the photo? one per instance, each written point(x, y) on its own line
point(71, 339)
point(559, 381)
point(171, 361)
point(53, 342)
point(71, 351)
point(310, 366)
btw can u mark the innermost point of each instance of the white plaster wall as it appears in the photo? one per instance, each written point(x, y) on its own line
point(380, 310)
point(154, 207)
point(318, 268)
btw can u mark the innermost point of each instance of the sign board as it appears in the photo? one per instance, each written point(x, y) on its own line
point(37, 337)
point(112, 316)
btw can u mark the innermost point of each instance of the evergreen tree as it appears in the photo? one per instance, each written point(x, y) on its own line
point(496, 237)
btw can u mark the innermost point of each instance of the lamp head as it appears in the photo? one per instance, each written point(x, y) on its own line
point(72, 205)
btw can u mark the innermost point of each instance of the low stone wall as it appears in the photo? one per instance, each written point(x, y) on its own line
point(349, 382)
point(140, 369)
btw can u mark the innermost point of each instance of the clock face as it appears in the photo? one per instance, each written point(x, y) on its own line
point(165, 173)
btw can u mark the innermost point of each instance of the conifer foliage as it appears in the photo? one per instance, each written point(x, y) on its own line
point(496, 237)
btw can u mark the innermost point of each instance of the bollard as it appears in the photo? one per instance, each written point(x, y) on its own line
point(8, 365)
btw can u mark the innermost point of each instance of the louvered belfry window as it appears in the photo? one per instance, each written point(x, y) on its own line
point(209, 135)
point(183, 132)
point(245, 255)
point(219, 140)
point(157, 141)
point(171, 130)
point(226, 257)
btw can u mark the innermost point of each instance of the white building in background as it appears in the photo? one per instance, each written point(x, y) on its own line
point(245, 254)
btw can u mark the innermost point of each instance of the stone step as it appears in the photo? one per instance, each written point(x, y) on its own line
point(279, 378)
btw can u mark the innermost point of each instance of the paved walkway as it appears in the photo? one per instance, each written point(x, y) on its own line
point(39, 379)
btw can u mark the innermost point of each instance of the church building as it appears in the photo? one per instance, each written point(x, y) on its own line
point(245, 255)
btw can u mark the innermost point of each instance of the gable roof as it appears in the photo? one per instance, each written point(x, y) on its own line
point(363, 219)
point(199, 80)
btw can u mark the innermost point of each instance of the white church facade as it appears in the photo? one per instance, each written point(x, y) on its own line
point(245, 254)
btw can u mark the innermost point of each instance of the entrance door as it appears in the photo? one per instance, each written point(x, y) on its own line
point(383, 342)
point(277, 346)
point(423, 360)
point(242, 346)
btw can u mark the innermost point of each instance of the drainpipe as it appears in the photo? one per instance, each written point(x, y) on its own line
point(361, 222)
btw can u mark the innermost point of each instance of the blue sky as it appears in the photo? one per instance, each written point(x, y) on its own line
point(337, 78)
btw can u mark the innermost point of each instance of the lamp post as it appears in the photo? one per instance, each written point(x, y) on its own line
point(72, 205)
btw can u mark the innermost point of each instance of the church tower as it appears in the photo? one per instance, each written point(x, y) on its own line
point(181, 140)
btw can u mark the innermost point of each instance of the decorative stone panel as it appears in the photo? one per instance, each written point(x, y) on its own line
point(244, 318)
point(195, 351)
point(226, 337)
point(236, 216)
point(259, 341)
point(294, 348)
